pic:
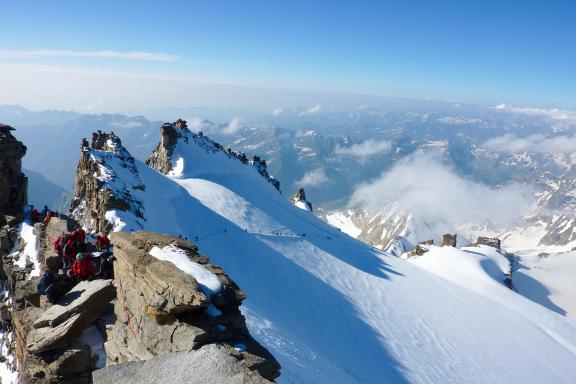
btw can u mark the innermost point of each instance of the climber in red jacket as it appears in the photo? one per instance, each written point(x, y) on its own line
point(83, 266)
point(80, 235)
point(47, 218)
point(102, 242)
point(69, 251)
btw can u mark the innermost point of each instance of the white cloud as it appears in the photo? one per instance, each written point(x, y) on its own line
point(233, 126)
point(440, 198)
point(313, 178)
point(277, 111)
point(311, 111)
point(533, 143)
point(554, 114)
point(458, 120)
point(365, 149)
point(127, 124)
point(141, 56)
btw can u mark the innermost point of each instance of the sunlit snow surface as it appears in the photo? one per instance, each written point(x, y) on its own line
point(30, 252)
point(207, 280)
point(334, 310)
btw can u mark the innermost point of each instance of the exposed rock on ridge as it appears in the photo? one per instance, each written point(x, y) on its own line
point(300, 200)
point(211, 364)
point(162, 310)
point(99, 190)
point(170, 133)
point(13, 183)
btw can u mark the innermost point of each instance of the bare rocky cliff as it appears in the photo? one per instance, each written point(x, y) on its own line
point(162, 310)
point(98, 190)
point(13, 183)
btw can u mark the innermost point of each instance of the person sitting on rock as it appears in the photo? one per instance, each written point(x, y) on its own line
point(47, 218)
point(69, 251)
point(106, 270)
point(34, 216)
point(102, 242)
point(80, 237)
point(54, 285)
point(83, 266)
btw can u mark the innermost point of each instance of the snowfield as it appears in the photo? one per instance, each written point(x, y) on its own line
point(334, 310)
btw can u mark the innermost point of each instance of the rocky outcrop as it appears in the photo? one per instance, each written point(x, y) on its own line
point(171, 133)
point(162, 155)
point(99, 190)
point(65, 321)
point(162, 310)
point(299, 199)
point(420, 248)
point(13, 183)
point(449, 240)
point(46, 340)
point(8, 234)
point(489, 241)
point(211, 364)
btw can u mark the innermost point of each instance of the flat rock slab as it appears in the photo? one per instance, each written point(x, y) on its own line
point(211, 364)
point(60, 324)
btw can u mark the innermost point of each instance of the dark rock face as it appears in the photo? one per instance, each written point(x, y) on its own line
point(449, 240)
point(162, 310)
point(489, 241)
point(301, 196)
point(98, 190)
point(13, 183)
point(421, 248)
point(161, 157)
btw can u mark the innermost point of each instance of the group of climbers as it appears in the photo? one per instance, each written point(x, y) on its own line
point(40, 216)
point(78, 263)
point(69, 245)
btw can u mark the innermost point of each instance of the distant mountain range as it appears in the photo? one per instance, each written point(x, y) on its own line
point(331, 154)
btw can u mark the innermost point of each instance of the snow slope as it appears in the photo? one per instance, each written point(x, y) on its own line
point(548, 279)
point(335, 310)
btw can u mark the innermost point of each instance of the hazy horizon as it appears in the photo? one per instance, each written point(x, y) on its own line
point(136, 57)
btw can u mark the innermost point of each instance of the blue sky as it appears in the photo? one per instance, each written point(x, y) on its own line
point(487, 52)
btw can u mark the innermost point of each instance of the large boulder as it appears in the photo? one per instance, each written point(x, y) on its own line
point(211, 364)
point(161, 310)
point(71, 364)
point(60, 324)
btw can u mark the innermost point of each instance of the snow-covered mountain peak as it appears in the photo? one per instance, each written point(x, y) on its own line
point(107, 182)
point(329, 307)
point(183, 153)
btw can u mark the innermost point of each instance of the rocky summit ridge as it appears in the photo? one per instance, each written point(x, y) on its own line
point(154, 321)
